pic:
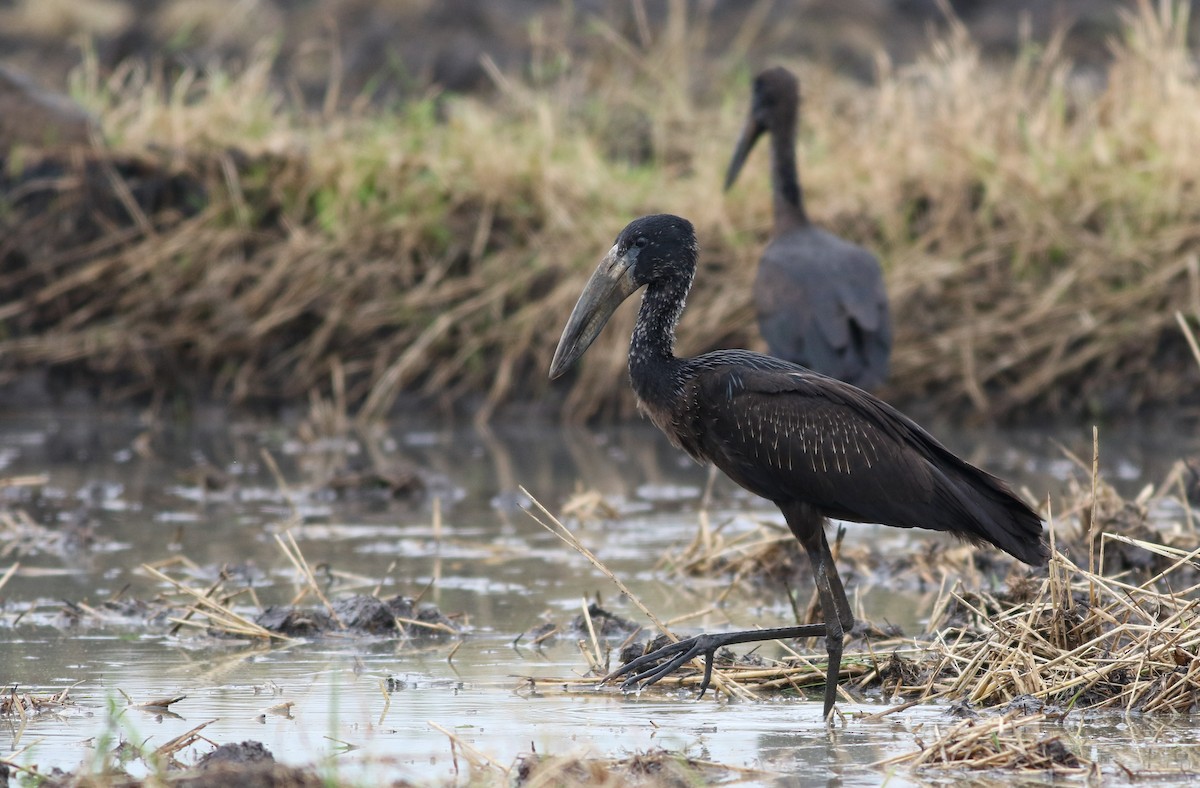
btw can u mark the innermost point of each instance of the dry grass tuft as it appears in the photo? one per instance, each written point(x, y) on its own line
point(1013, 742)
point(1082, 641)
point(212, 609)
point(215, 610)
point(22, 704)
point(1039, 227)
point(22, 536)
point(652, 768)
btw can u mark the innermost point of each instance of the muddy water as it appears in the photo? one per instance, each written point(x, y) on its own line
point(117, 494)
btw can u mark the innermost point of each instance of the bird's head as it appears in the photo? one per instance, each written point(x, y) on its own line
point(650, 249)
point(772, 107)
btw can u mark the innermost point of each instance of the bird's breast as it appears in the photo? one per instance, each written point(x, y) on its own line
point(671, 424)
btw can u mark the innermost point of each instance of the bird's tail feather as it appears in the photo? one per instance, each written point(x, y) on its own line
point(991, 512)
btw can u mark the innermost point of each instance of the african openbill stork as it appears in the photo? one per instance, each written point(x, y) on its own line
point(820, 300)
point(813, 445)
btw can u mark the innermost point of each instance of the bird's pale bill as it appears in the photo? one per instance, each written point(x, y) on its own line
point(750, 134)
point(611, 284)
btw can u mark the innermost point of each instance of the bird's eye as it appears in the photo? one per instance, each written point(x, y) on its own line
point(641, 242)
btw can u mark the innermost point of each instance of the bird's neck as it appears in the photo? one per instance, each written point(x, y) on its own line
point(785, 182)
point(652, 361)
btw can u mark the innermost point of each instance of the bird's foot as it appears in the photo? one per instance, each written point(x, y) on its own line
point(649, 668)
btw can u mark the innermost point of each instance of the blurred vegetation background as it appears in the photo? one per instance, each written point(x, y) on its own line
point(378, 203)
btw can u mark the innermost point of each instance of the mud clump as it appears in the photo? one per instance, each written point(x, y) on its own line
point(369, 614)
point(247, 752)
point(295, 622)
point(604, 623)
point(248, 764)
point(900, 670)
point(655, 767)
point(1056, 753)
point(395, 482)
point(264, 775)
point(359, 614)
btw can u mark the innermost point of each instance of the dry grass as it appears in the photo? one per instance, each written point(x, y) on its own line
point(1012, 742)
point(652, 768)
point(212, 610)
point(1039, 227)
point(216, 612)
point(21, 704)
point(21, 536)
point(1082, 641)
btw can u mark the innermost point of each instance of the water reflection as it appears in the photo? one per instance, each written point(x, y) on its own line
point(126, 490)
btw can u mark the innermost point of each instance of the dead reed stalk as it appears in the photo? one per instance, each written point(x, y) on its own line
point(1083, 641)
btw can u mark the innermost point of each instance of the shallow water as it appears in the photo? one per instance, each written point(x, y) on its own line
point(466, 546)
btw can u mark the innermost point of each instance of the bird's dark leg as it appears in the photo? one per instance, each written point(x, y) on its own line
point(807, 524)
point(831, 606)
point(845, 613)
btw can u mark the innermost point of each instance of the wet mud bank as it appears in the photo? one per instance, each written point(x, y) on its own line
point(168, 595)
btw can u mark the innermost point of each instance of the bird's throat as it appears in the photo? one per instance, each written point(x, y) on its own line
point(785, 182)
point(653, 368)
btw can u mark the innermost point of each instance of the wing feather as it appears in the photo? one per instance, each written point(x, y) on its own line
point(789, 434)
point(782, 434)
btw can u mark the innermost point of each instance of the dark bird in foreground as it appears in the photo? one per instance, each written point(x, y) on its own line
point(815, 446)
point(820, 300)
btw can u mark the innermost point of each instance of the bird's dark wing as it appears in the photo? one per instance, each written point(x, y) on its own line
point(860, 287)
point(792, 435)
point(786, 435)
point(786, 293)
point(821, 302)
point(862, 295)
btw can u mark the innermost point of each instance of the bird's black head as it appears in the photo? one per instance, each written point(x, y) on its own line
point(776, 95)
point(658, 248)
point(773, 103)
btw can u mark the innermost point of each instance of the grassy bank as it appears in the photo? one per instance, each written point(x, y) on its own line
point(1039, 228)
